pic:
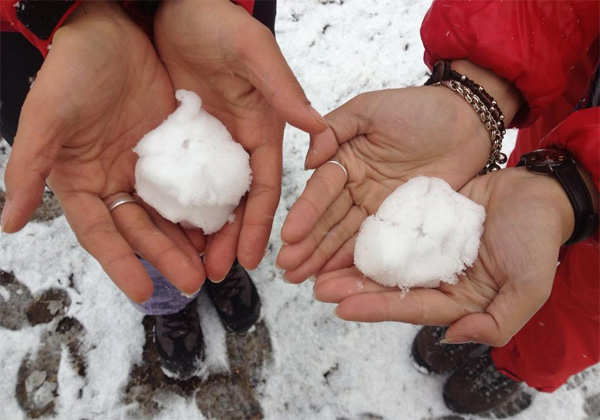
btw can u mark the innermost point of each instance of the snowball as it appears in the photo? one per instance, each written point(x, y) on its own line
point(190, 169)
point(423, 233)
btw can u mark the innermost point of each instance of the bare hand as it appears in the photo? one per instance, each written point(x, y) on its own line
point(232, 61)
point(101, 88)
point(385, 138)
point(528, 218)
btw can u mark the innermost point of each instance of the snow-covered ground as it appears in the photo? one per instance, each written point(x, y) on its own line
point(86, 360)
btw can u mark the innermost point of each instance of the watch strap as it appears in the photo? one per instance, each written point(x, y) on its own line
point(579, 196)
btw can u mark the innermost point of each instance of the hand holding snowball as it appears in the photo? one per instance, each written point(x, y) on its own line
point(528, 218)
point(101, 88)
point(216, 49)
point(385, 138)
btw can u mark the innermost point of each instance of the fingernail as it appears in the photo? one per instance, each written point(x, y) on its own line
point(312, 278)
point(312, 150)
point(191, 295)
point(335, 312)
point(285, 278)
point(317, 116)
point(5, 216)
point(277, 267)
point(456, 340)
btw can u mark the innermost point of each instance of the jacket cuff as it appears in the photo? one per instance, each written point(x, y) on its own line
point(532, 44)
point(38, 21)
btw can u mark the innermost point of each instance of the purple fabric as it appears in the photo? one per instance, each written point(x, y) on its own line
point(166, 299)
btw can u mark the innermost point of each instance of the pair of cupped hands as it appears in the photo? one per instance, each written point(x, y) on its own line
point(104, 85)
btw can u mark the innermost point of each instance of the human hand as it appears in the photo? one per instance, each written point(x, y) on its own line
point(528, 217)
point(232, 61)
point(101, 88)
point(386, 138)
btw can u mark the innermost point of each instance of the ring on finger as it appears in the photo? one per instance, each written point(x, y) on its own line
point(123, 198)
point(335, 162)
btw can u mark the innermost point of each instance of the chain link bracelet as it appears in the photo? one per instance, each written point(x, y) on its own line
point(482, 103)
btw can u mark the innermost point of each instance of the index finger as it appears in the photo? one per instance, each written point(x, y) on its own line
point(323, 187)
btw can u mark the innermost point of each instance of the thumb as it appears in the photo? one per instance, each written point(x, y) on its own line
point(503, 318)
point(36, 146)
point(268, 70)
point(345, 122)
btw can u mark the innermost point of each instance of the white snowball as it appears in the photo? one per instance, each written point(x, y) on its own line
point(190, 169)
point(423, 233)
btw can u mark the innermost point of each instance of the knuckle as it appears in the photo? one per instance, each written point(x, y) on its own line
point(95, 229)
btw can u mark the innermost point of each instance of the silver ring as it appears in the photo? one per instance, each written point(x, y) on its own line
point(120, 201)
point(341, 166)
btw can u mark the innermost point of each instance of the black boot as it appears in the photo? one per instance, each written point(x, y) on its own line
point(477, 387)
point(435, 357)
point(236, 299)
point(179, 342)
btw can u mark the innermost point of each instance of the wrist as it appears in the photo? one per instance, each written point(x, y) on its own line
point(505, 93)
point(551, 196)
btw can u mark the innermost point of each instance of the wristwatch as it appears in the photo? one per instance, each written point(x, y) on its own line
point(562, 165)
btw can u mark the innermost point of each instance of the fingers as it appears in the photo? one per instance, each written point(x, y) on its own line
point(322, 189)
point(96, 232)
point(330, 244)
point(362, 299)
point(173, 255)
point(222, 246)
point(343, 258)
point(336, 286)
point(291, 256)
point(192, 242)
point(269, 72)
point(37, 143)
point(418, 306)
point(346, 122)
point(261, 204)
point(197, 238)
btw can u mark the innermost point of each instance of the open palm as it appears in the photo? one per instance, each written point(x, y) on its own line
point(216, 49)
point(385, 138)
point(99, 91)
point(510, 280)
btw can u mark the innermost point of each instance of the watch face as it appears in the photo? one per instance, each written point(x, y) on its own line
point(543, 160)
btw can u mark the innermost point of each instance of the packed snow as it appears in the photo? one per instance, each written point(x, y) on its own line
point(190, 169)
point(322, 368)
point(423, 233)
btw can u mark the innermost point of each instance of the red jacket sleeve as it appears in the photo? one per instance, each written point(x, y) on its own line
point(580, 135)
point(36, 20)
point(533, 44)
